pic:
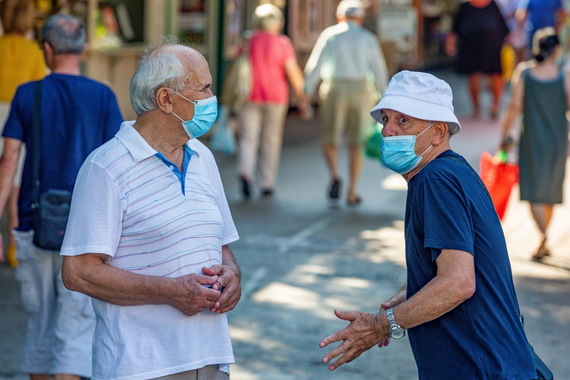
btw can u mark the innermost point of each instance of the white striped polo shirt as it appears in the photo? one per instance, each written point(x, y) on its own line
point(129, 205)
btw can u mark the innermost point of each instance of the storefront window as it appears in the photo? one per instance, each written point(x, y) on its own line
point(193, 21)
point(235, 26)
point(398, 24)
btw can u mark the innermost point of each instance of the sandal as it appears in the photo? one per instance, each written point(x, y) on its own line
point(334, 191)
point(541, 252)
point(245, 188)
point(354, 201)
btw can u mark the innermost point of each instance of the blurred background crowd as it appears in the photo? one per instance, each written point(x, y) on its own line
point(482, 40)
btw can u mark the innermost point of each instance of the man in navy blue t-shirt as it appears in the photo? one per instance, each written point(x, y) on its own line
point(459, 305)
point(77, 115)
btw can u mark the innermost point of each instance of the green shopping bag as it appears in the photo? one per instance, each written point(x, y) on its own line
point(373, 141)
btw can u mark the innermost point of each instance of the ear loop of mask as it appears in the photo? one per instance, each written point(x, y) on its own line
point(419, 134)
point(185, 98)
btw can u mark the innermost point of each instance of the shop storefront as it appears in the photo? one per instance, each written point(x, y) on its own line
point(411, 32)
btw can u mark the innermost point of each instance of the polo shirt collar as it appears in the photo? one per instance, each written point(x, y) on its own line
point(135, 144)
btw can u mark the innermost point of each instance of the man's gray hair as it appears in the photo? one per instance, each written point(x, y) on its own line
point(64, 33)
point(158, 67)
point(453, 128)
point(350, 9)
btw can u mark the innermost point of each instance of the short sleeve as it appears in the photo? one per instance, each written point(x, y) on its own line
point(14, 126)
point(95, 220)
point(446, 215)
point(288, 50)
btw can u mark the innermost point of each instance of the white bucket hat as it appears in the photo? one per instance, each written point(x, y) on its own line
point(420, 95)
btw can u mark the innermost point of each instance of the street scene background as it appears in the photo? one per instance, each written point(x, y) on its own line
point(301, 259)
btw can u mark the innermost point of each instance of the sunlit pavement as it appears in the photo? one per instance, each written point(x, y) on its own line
point(302, 259)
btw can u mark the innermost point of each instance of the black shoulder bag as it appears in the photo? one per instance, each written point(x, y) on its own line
point(51, 209)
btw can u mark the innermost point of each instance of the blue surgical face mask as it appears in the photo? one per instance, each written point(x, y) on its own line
point(205, 114)
point(398, 152)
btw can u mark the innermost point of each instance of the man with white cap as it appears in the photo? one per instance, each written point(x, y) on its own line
point(459, 305)
point(349, 62)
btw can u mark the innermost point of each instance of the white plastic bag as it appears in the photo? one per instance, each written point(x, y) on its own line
point(223, 139)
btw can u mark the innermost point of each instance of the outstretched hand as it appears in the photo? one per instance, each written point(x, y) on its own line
point(363, 332)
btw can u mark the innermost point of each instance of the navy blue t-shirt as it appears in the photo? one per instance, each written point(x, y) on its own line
point(448, 207)
point(78, 115)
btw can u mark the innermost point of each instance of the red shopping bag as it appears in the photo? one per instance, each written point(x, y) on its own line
point(500, 177)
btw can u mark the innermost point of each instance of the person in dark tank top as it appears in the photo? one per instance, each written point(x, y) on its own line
point(540, 90)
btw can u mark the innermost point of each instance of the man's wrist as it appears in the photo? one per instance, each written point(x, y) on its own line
point(395, 330)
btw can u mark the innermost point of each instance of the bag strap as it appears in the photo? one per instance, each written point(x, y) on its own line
point(36, 134)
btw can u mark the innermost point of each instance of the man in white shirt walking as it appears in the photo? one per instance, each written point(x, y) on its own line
point(348, 60)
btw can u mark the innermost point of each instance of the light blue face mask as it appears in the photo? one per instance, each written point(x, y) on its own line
point(205, 114)
point(398, 152)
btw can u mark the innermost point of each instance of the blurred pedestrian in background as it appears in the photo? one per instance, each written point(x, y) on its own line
point(538, 14)
point(77, 115)
point(154, 253)
point(261, 121)
point(517, 40)
point(540, 93)
point(348, 60)
point(476, 38)
point(22, 61)
point(459, 305)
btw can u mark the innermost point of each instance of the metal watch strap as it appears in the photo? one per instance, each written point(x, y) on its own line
point(395, 330)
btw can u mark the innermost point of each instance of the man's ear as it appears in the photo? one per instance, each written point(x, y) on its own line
point(47, 49)
point(441, 131)
point(163, 98)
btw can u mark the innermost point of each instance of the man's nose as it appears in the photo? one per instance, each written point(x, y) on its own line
point(388, 129)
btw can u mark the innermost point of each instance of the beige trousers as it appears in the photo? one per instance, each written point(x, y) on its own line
point(261, 132)
point(209, 372)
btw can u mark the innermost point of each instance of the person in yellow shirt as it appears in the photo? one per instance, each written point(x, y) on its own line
point(22, 61)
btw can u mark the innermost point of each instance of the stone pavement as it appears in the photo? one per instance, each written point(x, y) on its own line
point(301, 259)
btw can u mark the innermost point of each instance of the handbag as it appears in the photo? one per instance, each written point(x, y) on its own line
point(51, 208)
point(499, 176)
point(223, 139)
point(238, 82)
point(542, 370)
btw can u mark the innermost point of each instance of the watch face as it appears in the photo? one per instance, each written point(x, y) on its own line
point(397, 333)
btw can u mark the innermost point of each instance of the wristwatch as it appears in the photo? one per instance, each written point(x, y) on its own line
point(396, 331)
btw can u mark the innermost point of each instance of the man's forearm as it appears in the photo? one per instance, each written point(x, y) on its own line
point(90, 275)
point(8, 167)
point(453, 284)
point(228, 257)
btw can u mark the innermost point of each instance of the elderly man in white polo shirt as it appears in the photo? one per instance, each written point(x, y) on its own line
point(149, 231)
